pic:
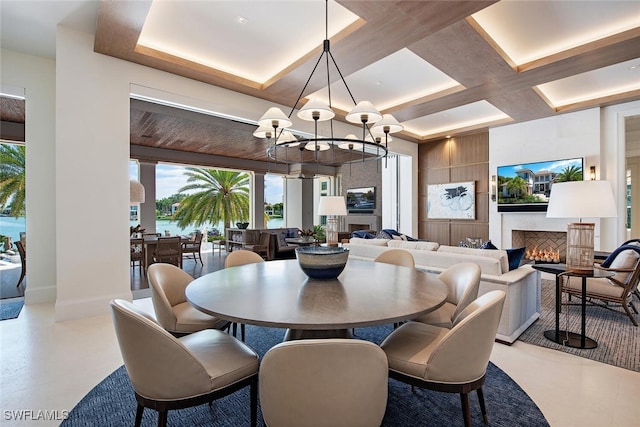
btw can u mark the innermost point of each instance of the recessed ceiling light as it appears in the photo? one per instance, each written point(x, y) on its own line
point(242, 19)
point(634, 67)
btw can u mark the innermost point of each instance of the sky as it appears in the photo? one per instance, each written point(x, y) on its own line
point(170, 178)
point(553, 166)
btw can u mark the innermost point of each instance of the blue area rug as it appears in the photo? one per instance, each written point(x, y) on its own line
point(112, 402)
point(10, 309)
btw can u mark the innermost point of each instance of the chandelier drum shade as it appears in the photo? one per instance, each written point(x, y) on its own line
point(328, 149)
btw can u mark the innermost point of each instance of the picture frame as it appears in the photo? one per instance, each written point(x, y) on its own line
point(455, 200)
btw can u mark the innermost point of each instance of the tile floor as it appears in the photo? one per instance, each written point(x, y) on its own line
point(50, 366)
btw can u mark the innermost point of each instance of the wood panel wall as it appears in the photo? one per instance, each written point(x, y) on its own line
point(459, 159)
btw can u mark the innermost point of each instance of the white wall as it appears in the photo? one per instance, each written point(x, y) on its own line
point(37, 76)
point(561, 137)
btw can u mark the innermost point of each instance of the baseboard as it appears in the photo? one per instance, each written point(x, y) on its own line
point(80, 308)
point(510, 339)
point(33, 295)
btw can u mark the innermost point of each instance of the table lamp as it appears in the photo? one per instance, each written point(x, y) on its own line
point(581, 199)
point(332, 206)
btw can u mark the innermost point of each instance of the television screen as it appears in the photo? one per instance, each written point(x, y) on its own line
point(526, 187)
point(361, 200)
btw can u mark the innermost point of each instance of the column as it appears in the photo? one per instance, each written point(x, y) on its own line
point(147, 214)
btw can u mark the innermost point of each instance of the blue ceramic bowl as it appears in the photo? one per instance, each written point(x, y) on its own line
point(322, 263)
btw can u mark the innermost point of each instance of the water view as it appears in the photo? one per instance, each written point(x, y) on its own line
point(10, 226)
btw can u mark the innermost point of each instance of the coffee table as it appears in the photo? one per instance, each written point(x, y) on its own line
point(278, 294)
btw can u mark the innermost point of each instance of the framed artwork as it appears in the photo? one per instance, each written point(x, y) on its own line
point(455, 200)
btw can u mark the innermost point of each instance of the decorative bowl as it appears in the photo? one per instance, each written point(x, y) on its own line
point(320, 262)
point(242, 225)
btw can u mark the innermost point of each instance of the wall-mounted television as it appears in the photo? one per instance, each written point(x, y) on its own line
point(361, 200)
point(525, 187)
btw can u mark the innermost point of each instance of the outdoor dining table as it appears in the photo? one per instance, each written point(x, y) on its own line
point(279, 294)
point(150, 243)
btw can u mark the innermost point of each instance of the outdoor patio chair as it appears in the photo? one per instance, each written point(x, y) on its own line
point(193, 247)
point(22, 250)
point(168, 250)
point(138, 254)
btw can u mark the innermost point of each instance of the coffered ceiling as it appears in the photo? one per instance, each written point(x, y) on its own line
point(440, 67)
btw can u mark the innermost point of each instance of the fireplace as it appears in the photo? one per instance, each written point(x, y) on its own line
point(551, 244)
point(362, 222)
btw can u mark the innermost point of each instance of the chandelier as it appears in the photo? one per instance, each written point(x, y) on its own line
point(322, 149)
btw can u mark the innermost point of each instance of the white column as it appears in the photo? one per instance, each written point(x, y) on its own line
point(148, 208)
point(257, 205)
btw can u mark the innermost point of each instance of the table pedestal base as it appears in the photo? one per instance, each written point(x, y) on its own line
point(570, 339)
point(301, 334)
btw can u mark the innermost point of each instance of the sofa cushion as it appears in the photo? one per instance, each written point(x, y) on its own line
point(424, 246)
point(497, 254)
point(375, 242)
point(515, 257)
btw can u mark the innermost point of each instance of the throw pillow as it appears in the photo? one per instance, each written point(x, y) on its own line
point(607, 262)
point(488, 245)
point(363, 234)
point(515, 257)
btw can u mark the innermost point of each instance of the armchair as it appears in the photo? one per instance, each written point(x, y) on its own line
point(625, 263)
point(193, 247)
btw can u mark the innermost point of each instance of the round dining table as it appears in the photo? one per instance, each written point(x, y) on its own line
point(279, 294)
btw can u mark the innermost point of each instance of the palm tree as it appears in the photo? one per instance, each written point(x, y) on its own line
point(12, 178)
point(221, 196)
point(517, 186)
point(570, 173)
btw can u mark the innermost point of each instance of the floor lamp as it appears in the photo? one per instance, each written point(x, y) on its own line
point(332, 207)
point(581, 199)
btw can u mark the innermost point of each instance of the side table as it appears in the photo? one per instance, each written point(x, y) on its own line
point(570, 339)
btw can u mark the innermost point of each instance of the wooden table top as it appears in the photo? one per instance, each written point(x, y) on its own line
point(279, 294)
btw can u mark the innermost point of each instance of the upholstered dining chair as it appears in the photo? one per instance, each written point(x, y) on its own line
point(173, 373)
point(193, 247)
point(341, 382)
point(397, 257)
point(173, 311)
point(619, 289)
point(241, 257)
point(168, 250)
point(449, 360)
point(138, 254)
point(463, 283)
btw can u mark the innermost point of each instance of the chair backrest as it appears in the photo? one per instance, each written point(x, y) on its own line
point(342, 382)
point(197, 238)
point(160, 366)
point(169, 249)
point(23, 253)
point(241, 257)
point(168, 284)
point(137, 249)
point(463, 354)
point(463, 283)
point(397, 257)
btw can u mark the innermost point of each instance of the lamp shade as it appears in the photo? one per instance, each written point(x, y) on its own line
point(388, 122)
point(581, 199)
point(263, 132)
point(274, 115)
point(363, 108)
point(316, 108)
point(332, 205)
point(136, 192)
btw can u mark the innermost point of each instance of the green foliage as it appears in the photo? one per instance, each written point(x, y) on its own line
point(517, 186)
point(12, 179)
point(318, 232)
point(570, 173)
point(221, 196)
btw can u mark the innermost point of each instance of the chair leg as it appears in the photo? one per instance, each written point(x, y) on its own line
point(22, 274)
point(139, 412)
point(162, 419)
point(253, 392)
point(483, 408)
point(466, 413)
point(626, 309)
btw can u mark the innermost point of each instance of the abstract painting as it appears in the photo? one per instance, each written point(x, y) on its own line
point(454, 200)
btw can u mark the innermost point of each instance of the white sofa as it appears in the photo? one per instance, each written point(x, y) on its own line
point(521, 285)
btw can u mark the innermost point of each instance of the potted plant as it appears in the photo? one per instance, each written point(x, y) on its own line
point(307, 235)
